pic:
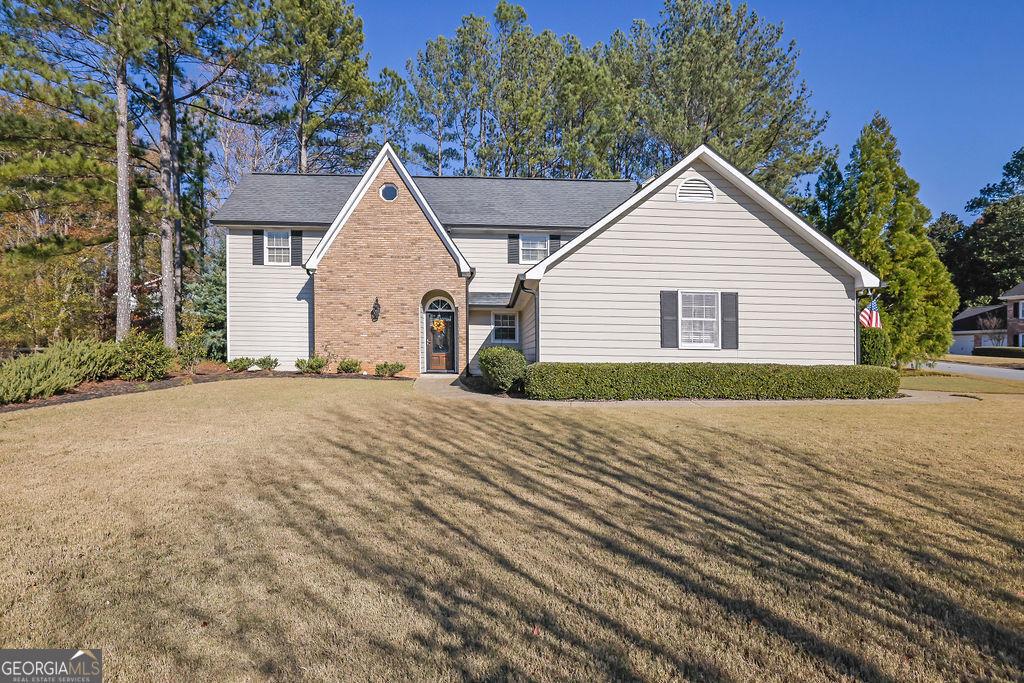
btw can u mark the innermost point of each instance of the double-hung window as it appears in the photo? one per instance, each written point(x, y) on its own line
point(506, 328)
point(279, 248)
point(699, 318)
point(533, 248)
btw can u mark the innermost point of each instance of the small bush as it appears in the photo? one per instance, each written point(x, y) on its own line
point(350, 365)
point(191, 341)
point(1004, 351)
point(625, 381)
point(266, 363)
point(313, 365)
point(144, 358)
point(241, 364)
point(503, 367)
point(388, 369)
point(875, 347)
point(59, 368)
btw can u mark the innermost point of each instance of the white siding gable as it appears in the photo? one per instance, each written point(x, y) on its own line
point(601, 303)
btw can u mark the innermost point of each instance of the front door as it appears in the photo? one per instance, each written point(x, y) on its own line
point(440, 341)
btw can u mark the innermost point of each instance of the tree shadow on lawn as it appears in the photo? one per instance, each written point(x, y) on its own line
point(501, 544)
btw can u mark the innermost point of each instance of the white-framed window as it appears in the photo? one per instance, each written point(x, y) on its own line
point(389, 192)
point(533, 248)
point(278, 246)
point(505, 328)
point(700, 320)
point(1020, 310)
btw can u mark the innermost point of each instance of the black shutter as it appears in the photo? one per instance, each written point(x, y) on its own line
point(730, 320)
point(257, 247)
point(669, 319)
point(554, 243)
point(296, 247)
point(513, 248)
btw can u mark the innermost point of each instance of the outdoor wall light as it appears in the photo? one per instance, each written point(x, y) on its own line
point(375, 310)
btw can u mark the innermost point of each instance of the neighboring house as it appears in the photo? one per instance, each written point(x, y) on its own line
point(996, 325)
point(697, 264)
point(979, 326)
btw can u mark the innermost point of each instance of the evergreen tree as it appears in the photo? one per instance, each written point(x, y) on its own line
point(1009, 186)
point(432, 86)
point(823, 209)
point(723, 76)
point(208, 297)
point(316, 49)
point(72, 57)
point(882, 224)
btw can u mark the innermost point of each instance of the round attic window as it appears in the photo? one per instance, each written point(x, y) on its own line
point(388, 192)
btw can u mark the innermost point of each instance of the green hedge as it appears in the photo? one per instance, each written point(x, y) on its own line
point(625, 381)
point(1004, 351)
point(502, 367)
point(875, 347)
point(144, 358)
point(59, 368)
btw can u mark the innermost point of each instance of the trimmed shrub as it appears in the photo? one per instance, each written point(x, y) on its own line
point(313, 365)
point(241, 364)
point(875, 347)
point(191, 341)
point(350, 365)
point(388, 369)
point(59, 368)
point(144, 358)
point(1004, 351)
point(503, 367)
point(626, 381)
point(266, 363)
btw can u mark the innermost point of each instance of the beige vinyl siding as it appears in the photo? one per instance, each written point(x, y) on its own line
point(480, 329)
point(487, 252)
point(528, 327)
point(602, 302)
point(270, 308)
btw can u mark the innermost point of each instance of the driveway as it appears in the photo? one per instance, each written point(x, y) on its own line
point(980, 370)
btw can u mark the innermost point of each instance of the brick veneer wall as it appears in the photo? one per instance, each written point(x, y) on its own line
point(1014, 325)
point(386, 250)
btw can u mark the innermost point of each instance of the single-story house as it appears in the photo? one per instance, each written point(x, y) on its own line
point(995, 325)
point(698, 264)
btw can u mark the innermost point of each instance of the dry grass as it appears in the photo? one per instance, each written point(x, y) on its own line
point(301, 529)
point(1014, 363)
point(926, 380)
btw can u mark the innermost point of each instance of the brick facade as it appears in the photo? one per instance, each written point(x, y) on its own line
point(1014, 324)
point(388, 251)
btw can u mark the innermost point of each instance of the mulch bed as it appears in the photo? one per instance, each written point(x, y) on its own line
point(116, 387)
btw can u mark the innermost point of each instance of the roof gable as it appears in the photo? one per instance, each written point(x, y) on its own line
point(862, 276)
point(386, 155)
point(1014, 293)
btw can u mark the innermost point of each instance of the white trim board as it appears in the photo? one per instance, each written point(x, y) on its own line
point(863, 278)
point(386, 153)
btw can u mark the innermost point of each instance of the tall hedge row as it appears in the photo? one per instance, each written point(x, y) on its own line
point(660, 381)
point(1003, 351)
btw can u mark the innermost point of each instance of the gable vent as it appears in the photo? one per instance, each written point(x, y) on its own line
point(695, 190)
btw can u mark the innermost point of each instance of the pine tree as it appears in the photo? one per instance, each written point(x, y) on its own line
point(882, 224)
point(70, 57)
point(315, 48)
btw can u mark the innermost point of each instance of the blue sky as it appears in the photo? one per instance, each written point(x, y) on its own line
point(946, 74)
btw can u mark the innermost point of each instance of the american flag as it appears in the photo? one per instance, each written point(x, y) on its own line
point(869, 316)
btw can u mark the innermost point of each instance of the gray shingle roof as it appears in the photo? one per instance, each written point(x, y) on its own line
point(288, 199)
point(487, 298)
point(1016, 291)
point(976, 310)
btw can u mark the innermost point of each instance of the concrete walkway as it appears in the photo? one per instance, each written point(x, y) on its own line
point(449, 388)
point(980, 370)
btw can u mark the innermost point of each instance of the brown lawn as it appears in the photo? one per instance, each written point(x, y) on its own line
point(300, 529)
